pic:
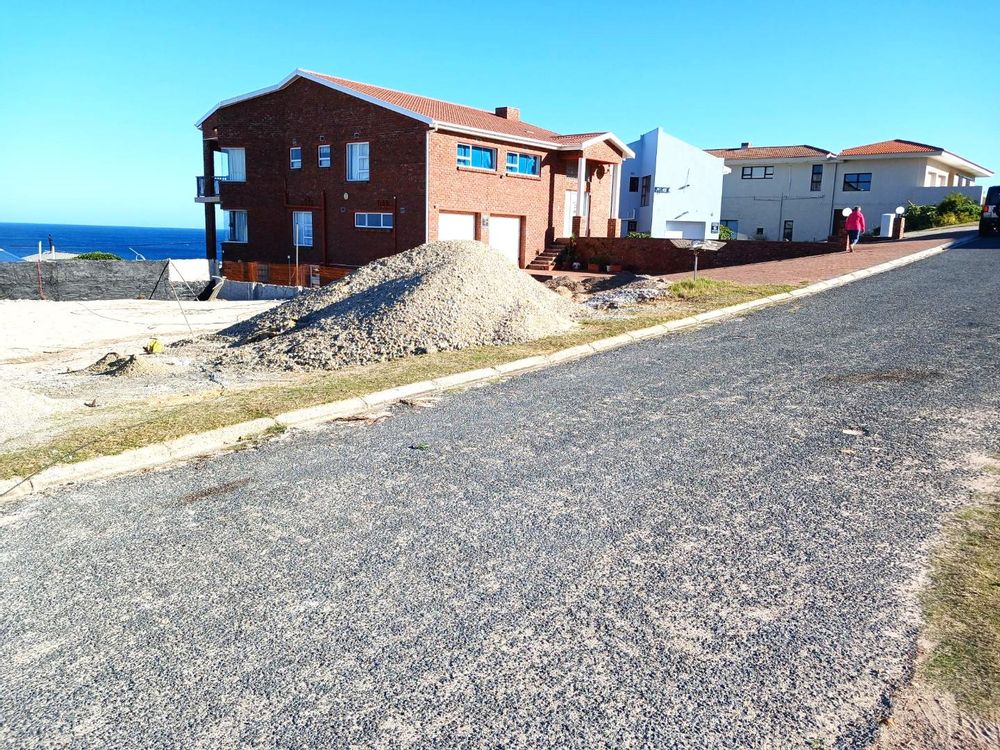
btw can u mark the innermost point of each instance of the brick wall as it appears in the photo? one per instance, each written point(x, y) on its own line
point(306, 111)
point(539, 201)
point(661, 256)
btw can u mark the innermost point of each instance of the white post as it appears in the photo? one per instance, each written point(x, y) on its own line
point(615, 189)
point(296, 255)
point(581, 179)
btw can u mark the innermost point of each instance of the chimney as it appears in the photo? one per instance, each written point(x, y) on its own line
point(509, 113)
point(746, 144)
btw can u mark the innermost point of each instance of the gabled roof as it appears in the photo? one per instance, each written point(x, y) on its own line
point(439, 113)
point(895, 146)
point(770, 152)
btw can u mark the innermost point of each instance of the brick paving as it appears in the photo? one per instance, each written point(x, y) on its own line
point(819, 267)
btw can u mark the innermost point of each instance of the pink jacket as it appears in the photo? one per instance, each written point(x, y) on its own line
point(856, 221)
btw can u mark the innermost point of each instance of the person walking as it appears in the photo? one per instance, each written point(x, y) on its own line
point(855, 225)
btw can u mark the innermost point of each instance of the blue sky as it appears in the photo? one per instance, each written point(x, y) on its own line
point(100, 98)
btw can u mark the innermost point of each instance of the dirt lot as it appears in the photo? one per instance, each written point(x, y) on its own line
point(46, 348)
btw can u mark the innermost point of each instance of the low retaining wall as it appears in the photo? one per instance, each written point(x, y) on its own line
point(662, 256)
point(82, 280)
point(237, 291)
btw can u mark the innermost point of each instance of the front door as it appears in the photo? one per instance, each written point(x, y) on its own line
point(838, 222)
point(570, 211)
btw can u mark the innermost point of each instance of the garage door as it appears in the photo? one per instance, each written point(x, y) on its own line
point(456, 226)
point(505, 236)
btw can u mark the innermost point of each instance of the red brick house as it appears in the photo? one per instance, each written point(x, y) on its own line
point(356, 172)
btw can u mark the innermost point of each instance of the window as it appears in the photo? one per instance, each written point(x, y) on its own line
point(633, 184)
point(757, 173)
point(644, 195)
point(302, 228)
point(373, 221)
point(295, 157)
point(816, 183)
point(632, 225)
point(357, 162)
point(236, 221)
point(572, 169)
point(479, 157)
point(523, 163)
point(786, 233)
point(857, 181)
point(231, 165)
point(733, 224)
point(324, 156)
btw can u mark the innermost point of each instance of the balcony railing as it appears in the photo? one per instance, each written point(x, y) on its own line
point(213, 188)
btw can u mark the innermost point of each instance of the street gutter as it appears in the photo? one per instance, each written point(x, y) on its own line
point(234, 436)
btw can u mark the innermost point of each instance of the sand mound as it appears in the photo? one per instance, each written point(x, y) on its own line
point(439, 296)
point(132, 366)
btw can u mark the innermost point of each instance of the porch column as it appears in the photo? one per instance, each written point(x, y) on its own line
point(208, 164)
point(615, 189)
point(581, 181)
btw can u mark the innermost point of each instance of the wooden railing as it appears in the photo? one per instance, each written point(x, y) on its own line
point(283, 274)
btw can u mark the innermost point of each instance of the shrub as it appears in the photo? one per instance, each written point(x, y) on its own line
point(961, 206)
point(97, 255)
point(725, 233)
point(638, 235)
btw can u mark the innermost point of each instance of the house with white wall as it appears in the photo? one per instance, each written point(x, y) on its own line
point(881, 176)
point(777, 192)
point(670, 189)
point(798, 192)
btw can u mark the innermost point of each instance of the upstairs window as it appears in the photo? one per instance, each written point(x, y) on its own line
point(757, 173)
point(373, 221)
point(357, 162)
point(295, 157)
point(572, 169)
point(236, 222)
point(816, 183)
point(644, 195)
point(324, 156)
point(479, 157)
point(858, 181)
point(231, 165)
point(302, 228)
point(523, 163)
point(633, 184)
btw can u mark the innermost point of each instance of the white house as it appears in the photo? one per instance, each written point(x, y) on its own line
point(881, 176)
point(777, 192)
point(798, 192)
point(671, 189)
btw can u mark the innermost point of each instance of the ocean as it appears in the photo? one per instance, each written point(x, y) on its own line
point(18, 240)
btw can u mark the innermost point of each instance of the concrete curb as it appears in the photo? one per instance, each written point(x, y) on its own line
point(194, 446)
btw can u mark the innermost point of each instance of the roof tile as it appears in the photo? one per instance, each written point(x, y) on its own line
point(895, 146)
point(768, 152)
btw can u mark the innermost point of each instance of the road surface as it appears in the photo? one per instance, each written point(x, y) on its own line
point(708, 540)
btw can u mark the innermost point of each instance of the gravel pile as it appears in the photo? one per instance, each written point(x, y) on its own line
point(642, 291)
point(435, 297)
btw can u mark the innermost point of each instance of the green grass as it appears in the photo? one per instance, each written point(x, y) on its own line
point(143, 423)
point(963, 610)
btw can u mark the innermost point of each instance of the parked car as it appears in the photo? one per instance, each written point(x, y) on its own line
point(989, 223)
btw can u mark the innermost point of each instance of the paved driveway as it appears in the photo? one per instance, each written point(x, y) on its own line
point(709, 540)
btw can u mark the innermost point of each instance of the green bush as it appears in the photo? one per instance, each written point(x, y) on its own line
point(956, 208)
point(97, 255)
point(638, 235)
point(725, 233)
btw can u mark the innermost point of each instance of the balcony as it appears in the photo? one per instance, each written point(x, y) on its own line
point(208, 192)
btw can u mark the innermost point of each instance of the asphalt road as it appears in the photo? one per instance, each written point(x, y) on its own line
point(709, 540)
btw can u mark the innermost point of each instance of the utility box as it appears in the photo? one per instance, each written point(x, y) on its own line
point(886, 230)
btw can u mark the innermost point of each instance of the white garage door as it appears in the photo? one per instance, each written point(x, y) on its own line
point(505, 236)
point(456, 226)
point(688, 230)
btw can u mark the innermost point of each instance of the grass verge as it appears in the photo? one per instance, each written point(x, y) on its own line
point(963, 610)
point(144, 423)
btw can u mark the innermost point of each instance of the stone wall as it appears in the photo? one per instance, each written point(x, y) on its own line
point(82, 280)
point(663, 256)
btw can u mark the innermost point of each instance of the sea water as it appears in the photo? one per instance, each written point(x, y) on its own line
point(152, 243)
